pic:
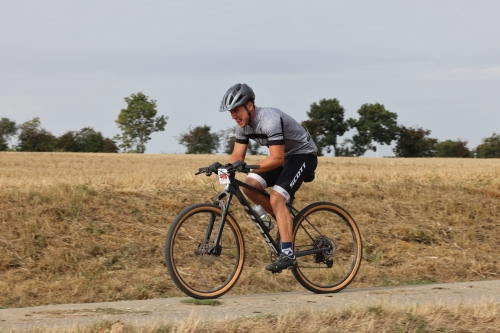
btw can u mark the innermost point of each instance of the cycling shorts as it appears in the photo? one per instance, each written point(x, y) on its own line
point(287, 179)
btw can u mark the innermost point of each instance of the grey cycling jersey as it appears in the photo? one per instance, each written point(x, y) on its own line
point(272, 126)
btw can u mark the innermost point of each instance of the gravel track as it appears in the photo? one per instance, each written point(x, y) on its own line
point(237, 306)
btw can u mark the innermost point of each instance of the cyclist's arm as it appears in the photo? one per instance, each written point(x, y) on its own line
point(274, 160)
point(239, 152)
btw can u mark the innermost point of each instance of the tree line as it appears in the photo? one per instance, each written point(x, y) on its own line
point(375, 124)
point(136, 122)
point(326, 123)
point(31, 137)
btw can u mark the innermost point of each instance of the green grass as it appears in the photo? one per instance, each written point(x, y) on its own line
point(375, 309)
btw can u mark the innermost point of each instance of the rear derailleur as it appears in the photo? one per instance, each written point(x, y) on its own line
point(325, 256)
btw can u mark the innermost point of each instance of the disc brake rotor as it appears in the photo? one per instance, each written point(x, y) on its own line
point(206, 252)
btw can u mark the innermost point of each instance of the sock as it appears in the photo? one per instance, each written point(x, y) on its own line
point(286, 248)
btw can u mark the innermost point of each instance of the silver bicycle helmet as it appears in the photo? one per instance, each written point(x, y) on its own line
point(237, 95)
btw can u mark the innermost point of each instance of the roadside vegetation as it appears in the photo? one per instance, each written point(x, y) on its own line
point(90, 227)
point(481, 318)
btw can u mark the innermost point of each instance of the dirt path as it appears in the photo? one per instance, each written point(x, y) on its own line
point(172, 309)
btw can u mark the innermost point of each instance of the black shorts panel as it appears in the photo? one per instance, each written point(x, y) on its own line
point(291, 175)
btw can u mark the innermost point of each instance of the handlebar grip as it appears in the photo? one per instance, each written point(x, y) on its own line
point(253, 166)
point(202, 170)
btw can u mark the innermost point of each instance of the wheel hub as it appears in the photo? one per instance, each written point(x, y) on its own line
point(207, 254)
point(207, 249)
point(325, 256)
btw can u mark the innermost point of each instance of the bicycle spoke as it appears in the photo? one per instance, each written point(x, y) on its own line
point(326, 227)
point(196, 269)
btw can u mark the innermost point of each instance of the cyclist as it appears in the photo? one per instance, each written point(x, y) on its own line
point(292, 158)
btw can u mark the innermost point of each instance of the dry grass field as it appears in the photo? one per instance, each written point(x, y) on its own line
point(480, 318)
point(90, 227)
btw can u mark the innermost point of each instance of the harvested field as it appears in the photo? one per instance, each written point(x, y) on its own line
point(90, 227)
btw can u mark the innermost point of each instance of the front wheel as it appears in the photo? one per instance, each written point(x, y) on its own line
point(324, 225)
point(196, 266)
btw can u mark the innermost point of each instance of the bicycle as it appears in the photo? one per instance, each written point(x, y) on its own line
point(205, 250)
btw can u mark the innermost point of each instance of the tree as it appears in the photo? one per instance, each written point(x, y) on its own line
point(375, 123)
point(92, 141)
point(199, 140)
point(34, 138)
point(490, 148)
point(109, 146)
point(137, 122)
point(86, 140)
point(228, 136)
point(253, 148)
point(8, 128)
point(414, 142)
point(450, 148)
point(346, 148)
point(326, 122)
point(68, 142)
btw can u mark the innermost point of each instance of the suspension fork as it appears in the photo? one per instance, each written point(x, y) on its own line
point(210, 225)
point(218, 236)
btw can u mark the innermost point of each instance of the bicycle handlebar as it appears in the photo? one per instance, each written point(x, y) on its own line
point(228, 167)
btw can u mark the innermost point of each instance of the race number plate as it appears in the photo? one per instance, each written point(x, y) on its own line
point(223, 176)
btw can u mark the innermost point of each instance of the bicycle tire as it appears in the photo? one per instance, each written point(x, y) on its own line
point(323, 223)
point(203, 276)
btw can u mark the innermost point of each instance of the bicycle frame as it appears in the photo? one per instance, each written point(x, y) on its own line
point(233, 189)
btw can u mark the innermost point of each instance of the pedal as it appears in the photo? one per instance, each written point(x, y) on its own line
point(276, 272)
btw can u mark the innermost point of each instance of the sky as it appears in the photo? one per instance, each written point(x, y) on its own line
point(71, 63)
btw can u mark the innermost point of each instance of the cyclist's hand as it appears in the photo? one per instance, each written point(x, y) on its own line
point(238, 166)
point(214, 167)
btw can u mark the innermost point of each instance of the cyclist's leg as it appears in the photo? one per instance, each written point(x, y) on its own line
point(283, 216)
point(261, 181)
point(296, 169)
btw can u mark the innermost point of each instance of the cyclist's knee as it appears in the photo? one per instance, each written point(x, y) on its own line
point(254, 183)
point(277, 199)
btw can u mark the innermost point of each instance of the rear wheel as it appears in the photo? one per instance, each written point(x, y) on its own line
point(196, 267)
point(326, 225)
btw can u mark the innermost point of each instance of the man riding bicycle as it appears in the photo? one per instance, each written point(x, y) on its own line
point(292, 158)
